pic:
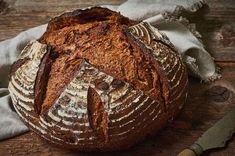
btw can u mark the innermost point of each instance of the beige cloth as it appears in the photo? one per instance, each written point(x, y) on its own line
point(166, 16)
point(162, 14)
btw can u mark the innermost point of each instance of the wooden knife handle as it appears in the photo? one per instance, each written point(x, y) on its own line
point(187, 152)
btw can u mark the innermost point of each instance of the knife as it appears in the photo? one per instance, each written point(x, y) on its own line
point(215, 137)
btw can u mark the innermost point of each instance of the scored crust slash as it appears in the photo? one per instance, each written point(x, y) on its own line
point(97, 81)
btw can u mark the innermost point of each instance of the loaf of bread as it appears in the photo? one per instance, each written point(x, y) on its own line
point(97, 81)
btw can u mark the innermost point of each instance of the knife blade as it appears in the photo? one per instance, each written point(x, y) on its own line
point(214, 137)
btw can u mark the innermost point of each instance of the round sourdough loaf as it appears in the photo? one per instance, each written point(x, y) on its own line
point(97, 81)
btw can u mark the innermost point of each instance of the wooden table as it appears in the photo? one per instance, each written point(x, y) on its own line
point(206, 102)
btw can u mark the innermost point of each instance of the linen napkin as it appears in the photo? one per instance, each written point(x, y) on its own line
point(164, 15)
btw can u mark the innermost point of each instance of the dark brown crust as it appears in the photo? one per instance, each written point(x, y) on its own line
point(97, 115)
point(100, 125)
point(164, 86)
point(80, 17)
point(41, 80)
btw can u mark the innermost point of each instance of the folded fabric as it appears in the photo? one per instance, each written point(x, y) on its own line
point(10, 123)
point(164, 15)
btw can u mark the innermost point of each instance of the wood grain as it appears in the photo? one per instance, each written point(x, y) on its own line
point(206, 103)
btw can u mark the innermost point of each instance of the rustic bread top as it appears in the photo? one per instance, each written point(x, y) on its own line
point(96, 79)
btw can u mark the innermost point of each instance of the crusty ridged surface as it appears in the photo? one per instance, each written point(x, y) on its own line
point(21, 85)
point(173, 72)
point(95, 107)
point(104, 45)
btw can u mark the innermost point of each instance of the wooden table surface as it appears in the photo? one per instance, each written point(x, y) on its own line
point(206, 102)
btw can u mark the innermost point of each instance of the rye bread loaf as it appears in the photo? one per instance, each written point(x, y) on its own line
point(98, 81)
